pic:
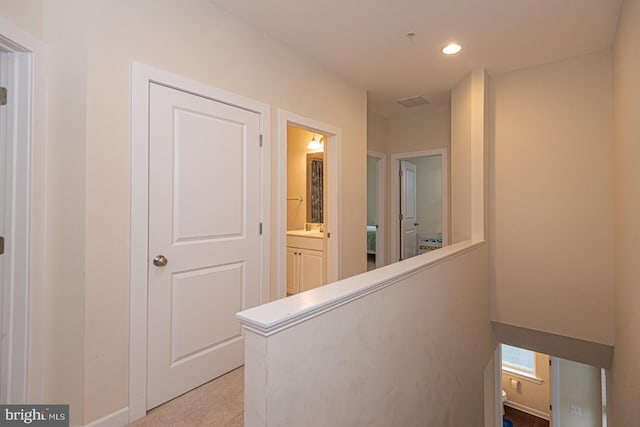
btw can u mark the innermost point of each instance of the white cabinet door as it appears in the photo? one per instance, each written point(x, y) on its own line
point(292, 271)
point(311, 269)
point(305, 269)
point(204, 211)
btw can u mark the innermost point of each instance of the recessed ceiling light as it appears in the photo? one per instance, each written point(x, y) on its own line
point(451, 49)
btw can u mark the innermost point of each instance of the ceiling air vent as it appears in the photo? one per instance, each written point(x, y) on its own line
point(412, 101)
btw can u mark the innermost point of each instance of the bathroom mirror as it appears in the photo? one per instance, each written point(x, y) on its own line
point(315, 190)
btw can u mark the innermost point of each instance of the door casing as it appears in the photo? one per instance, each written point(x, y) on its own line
point(23, 310)
point(141, 76)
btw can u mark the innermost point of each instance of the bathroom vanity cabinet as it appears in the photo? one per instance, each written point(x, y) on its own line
point(305, 263)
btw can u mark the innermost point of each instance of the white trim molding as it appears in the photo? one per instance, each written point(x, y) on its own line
point(555, 391)
point(333, 151)
point(141, 77)
point(23, 302)
point(118, 418)
point(270, 319)
point(394, 194)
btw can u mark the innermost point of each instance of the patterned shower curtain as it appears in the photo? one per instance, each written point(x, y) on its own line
point(316, 191)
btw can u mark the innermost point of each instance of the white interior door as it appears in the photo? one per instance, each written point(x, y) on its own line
point(204, 213)
point(408, 216)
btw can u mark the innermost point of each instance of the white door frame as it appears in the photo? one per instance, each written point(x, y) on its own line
point(141, 76)
point(395, 189)
point(554, 375)
point(333, 150)
point(497, 377)
point(23, 351)
point(381, 205)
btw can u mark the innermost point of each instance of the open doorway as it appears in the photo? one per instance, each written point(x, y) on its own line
point(540, 390)
point(419, 208)
point(306, 202)
point(326, 224)
point(376, 205)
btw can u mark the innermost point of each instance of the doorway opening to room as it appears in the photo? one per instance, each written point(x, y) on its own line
point(376, 206)
point(419, 203)
point(308, 228)
point(306, 202)
point(539, 390)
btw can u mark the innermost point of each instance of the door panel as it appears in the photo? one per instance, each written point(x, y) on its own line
point(204, 213)
point(408, 222)
point(203, 176)
point(191, 295)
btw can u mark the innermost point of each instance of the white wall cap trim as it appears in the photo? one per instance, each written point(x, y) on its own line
point(271, 318)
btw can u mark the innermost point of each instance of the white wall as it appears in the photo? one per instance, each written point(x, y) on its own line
point(376, 132)
point(460, 183)
point(65, 34)
point(552, 200)
point(397, 356)
point(626, 370)
point(90, 47)
point(419, 131)
point(27, 14)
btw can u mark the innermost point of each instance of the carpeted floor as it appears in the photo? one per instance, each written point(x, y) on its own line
point(219, 403)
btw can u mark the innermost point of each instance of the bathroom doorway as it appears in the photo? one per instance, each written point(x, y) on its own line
point(306, 200)
point(308, 228)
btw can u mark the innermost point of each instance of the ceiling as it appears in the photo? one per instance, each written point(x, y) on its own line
point(366, 41)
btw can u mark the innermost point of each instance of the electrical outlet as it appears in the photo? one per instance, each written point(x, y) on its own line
point(576, 410)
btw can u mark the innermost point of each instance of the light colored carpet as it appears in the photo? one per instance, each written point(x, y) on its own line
point(219, 403)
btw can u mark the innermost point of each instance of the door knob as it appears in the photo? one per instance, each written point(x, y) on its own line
point(160, 261)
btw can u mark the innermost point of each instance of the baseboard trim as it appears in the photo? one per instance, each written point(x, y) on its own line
point(118, 418)
point(528, 410)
